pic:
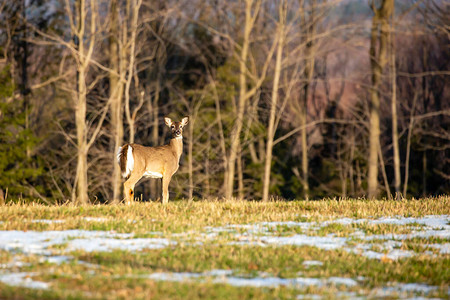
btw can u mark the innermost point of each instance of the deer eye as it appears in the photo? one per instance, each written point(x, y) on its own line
point(173, 126)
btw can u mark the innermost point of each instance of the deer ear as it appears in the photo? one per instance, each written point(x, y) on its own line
point(184, 121)
point(168, 121)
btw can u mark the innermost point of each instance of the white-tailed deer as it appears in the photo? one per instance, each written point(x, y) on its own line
point(137, 161)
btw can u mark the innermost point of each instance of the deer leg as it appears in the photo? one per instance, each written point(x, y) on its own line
point(128, 187)
point(165, 189)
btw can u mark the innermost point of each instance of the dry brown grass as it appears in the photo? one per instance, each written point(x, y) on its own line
point(185, 214)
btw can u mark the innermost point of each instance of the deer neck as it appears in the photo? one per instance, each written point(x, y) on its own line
point(177, 145)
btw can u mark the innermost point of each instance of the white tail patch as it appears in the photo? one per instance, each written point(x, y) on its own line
point(130, 162)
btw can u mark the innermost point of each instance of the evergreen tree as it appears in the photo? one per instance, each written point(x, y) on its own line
point(18, 171)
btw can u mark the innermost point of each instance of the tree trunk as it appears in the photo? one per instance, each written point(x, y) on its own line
point(374, 134)
point(220, 133)
point(308, 74)
point(155, 185)
point(24, 89)
point(191, 158)
point(383, 173)
point(304, 140)
point(115, 93)
point(273, 106)
point(395, 137)
point(408, 145)
point(131, 116)
point(207, 187)
point(424, 174)
point(80, 121)
point(377, 62)
point(80, 111)
point(240, 174)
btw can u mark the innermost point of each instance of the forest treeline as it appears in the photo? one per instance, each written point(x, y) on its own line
point(293, 99)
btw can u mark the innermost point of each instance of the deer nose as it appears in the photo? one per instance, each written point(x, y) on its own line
point(178, 132)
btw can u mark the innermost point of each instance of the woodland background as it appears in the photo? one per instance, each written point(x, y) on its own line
point(293, 99)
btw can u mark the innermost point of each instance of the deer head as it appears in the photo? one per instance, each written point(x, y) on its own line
point(176, 127)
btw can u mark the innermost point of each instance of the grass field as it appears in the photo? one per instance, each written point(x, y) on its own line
point(349, 249)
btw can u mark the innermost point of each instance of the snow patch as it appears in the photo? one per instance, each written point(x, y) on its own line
point(23, 279)
point(39, 243)
point(103, 244)
point(224, 277)
point(261, 234)
point(327, 243)
point(96, 219)
point(309, 263)
point(48, 221)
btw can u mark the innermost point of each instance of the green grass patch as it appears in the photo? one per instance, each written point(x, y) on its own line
point(337, 229)
point(284, 262)
point(285, 230)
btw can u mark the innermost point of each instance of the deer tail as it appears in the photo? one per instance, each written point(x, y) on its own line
point(125, 159)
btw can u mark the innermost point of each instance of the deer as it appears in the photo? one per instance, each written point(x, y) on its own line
point(137, 161)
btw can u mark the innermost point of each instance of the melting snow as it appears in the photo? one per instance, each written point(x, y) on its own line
point(312, 263)
point(23, 279)
point(15, 263)
point(443, 248)
point(37, 242)
point(92, 219)
point(40, 243)
point(88, 219)
point(261, 234)
point(47, 221)
point(397, 289)
point(224, 277)
point(57, 259)
point(392, 255)
point(309, 297)
point(328, 242)
point(107, 244)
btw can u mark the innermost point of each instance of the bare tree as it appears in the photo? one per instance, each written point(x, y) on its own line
point(395, 135)
point(84, 47)
point(83, 20)
point(310, 24)
point(115, 93)
point(378, 59)
point(129, 48)
point(280, 36)
point(251, 12)
point(252, 9)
